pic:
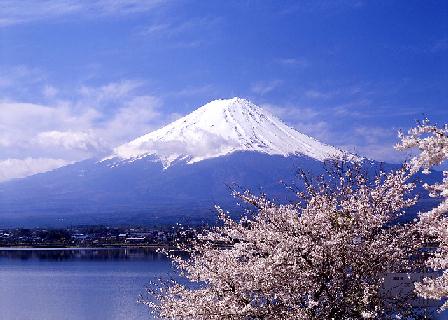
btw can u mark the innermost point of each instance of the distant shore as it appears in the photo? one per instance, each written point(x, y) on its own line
point(97, 237)
point(58, 247)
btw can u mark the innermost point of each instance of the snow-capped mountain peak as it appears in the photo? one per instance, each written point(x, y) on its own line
point(221, 127)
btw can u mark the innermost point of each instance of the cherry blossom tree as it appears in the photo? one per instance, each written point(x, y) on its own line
point(324, 257)
point(432, 144)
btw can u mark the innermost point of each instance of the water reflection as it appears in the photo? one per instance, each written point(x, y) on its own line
point(78, 284)
point(150, 254)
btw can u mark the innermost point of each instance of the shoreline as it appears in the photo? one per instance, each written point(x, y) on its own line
point(50, 247)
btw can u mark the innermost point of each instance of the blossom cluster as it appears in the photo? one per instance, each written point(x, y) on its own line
point(432, 144)
point(325, 256)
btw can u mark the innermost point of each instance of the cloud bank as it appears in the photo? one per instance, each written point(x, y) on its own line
point(37, 137)
point(25, 11)
point(19, 168)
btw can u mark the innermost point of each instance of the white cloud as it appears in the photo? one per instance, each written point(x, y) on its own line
point(20, 119)
point(138, 116)
point(320, 130)
point(315, 94)
point(157, 29)
point(71, 140)
point(175, 33)
point(11, 76)
point(88, 125)
point(307, 120)
point(293, 62)
point(344, 92)
point(440, 45)
point(374, 142)
point(19, 168)
point(49, 91)
point(168, 29)
point(14, 12)
point(110, 92)
point(264, 87)
point(84, 129)
point(196, 91)
point(375, 135)
point(120, 7)
point(18, 12)
point(292, 113)
point(378, 151)
point(322, 6)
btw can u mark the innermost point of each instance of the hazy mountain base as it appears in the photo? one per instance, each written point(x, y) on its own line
point(142, 192)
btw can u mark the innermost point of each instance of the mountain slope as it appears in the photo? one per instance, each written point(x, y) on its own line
point(221, 127)
point(177, 173)
point(143, 191)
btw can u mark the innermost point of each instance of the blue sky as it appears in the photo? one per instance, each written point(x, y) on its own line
point(79, 77)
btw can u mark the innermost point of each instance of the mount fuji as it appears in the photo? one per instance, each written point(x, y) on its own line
point(220, 128)
point(174, 174)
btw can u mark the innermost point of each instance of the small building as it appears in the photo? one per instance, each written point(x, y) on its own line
point(79, 236)
point(135, 240)
point(400, 285)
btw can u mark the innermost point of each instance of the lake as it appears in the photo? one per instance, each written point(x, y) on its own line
point(79, 284)
point(75, 284)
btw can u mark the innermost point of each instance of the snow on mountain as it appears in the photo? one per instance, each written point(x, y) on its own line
point(222, 127)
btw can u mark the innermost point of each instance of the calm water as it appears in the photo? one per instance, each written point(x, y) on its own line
point(77, 284)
